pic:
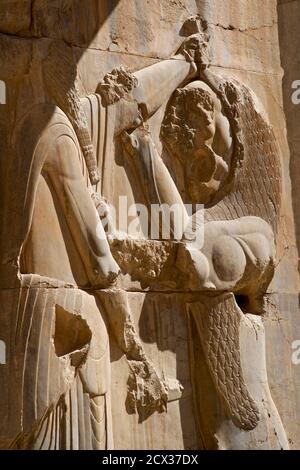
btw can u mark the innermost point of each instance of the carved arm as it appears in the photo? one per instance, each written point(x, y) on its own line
point(64, 171)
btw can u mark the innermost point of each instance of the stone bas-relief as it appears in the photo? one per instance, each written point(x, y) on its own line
point(99, 324)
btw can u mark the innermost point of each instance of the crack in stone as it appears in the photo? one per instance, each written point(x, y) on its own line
point(230, 27)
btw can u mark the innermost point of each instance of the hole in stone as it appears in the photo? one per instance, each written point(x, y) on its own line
point(71, 332)
point(243, 302)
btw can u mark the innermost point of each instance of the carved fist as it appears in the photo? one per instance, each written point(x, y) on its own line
point(195, 50)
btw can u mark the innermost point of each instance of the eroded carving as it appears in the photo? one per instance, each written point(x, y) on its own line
point(187, 135)
point(209, 126)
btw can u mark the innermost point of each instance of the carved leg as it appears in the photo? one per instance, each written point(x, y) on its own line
point(229, 375)
point(147, 391)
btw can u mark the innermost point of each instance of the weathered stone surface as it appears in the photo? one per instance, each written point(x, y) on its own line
point(185, 337)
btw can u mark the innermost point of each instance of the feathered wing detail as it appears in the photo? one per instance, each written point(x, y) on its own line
point(218, 322)
point(254, 184)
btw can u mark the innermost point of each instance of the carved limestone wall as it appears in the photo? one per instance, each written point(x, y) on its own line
point(125, 340)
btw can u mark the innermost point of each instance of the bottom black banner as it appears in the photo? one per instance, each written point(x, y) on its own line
point(135, 459)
